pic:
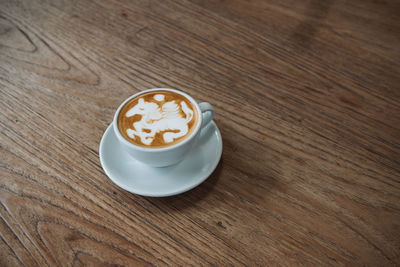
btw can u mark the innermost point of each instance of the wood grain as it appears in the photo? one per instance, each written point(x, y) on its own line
point(307, 99)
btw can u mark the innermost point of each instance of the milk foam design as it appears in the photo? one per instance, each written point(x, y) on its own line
point(159, 97)
point(166, 118)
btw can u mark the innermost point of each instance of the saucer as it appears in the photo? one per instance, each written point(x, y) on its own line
point(141, 179)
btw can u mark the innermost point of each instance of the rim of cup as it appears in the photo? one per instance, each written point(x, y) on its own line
point(149, 149)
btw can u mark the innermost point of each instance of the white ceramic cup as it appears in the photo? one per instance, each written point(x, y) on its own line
point(166, 156)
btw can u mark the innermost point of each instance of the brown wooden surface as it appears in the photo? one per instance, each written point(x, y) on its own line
point(307, 96)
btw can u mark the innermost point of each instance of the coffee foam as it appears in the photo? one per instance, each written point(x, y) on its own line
point(157, 119)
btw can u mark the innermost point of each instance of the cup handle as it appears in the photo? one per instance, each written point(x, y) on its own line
point(207, 111)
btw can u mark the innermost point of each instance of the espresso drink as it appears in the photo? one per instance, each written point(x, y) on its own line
point(157, 119)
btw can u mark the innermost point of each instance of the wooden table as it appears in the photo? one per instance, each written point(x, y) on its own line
point(307, 98)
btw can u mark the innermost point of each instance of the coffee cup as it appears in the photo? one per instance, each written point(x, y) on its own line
point(159, 126)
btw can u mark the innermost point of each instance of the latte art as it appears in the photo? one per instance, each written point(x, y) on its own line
point(157, 119)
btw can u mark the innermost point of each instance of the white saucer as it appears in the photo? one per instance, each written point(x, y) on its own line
point(144, 180)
